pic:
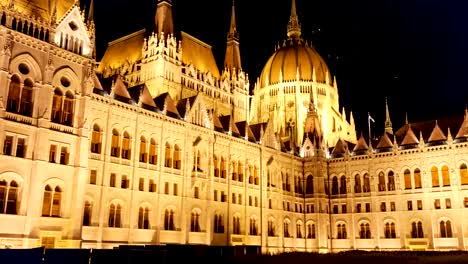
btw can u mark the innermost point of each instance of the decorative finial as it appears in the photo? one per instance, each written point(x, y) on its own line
point(294, 27)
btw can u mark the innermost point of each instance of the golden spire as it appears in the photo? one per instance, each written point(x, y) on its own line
point(91, 11)
point(163, 18)
point(294, 27)
point(388, 122)
point(232, 59)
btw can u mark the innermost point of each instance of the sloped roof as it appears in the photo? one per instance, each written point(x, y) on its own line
point(198, 53)
point(361, 145)
point(410, 138)
point(167, 104)
point(141, 92)
point(182, 105)
point(426, 127)
point(120, 88)
point(127, 49)
point(257, 129)
point(244, 127)
point(228, 121)
point(340, 147)
point(463, 131)
point(385, 142)
point(217, 123)
point(437, 134)
point(41, 8)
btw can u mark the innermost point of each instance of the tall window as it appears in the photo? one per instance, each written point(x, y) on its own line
point(391, 181)
point(62, 108)
point(364, 232)
point(197, 161)
point(286, 229)
point(334, 186)
point(223, 168)
point(87, 214)
point(126, 149)
point(390, 230)
point(343, 185)
point(407, 176)
point(236, 229)
point(299, 230)
point(96, 141)
point(381, 182)
point(341, 231)
point(153, 152)
point(417, 179)
point(366, 185)
point(253, 227)
point(445, 229)
point(240, 172)
point(115, 144)
point(124, 183)
point(169, 220)
point(115, 216)
point(417, 230)
point(20, 99)
point(445, 176)
point(143, 218)
point(463, 174)
point(256, 178)
point(310, 185)
point(177, 158)
point(216, 166)
point(112, 180)
point(143, 153)
point(167, 156)
point(8, 146)
point(311, 231)
point(218, 224)
point(271, 228)
point(8, 197)
point(234, 171)
point(435, 176)
point(357, 183)
point(52, 201)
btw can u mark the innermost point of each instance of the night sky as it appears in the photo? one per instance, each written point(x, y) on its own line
point(412, 52)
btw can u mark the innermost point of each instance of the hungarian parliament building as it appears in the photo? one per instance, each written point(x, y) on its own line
point(156, 145)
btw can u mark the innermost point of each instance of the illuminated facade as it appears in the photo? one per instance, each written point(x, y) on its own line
point(155, 145)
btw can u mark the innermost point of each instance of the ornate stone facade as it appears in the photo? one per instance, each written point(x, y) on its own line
point(156, 146)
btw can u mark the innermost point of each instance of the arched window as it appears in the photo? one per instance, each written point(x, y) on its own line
point(299, 230)
point(68, 106)
point(357, 183)
point(195, 222)
point(286, 229)
point(115, 216)
point(311, 231)
point(407, 176)
point(169, 220)
point(153, 152)
point(391, 181)
point(240, 172)
point(417, 179)
point(126, 149)
point(177, 156)
point(445, 229)
point(26, 105)
point(435, 176)
point(14, 92)
point(417, 230)
point(310, 185)
point(366, 185)
point(216, 166)
point(197, 161)
point(341, 231)
point(52, 201)
point(96, 141)
point(87, 214)
point(390, 230)
point(445, 176)
point(143, 218)
point(115, 144)
point(56, 116)
point(253, 230)
point(218, 224)
point(271, 228)
point(463, 174)
point(256, 178)
point(343, 185)
point(143, 153)
point(8, 197)
point(364, 232)
point(381, 182)
point(234, 171)
point(223, 168)
point(168, 156)
point(236, 228)
point(62, 108)
point(334, 186)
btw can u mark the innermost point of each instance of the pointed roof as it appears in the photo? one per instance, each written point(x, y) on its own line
point(229, 125)
point(388, 122)
point(232, 59)
point(463, 131)
point(167, 105)
point(91, 11)
point(410, 138)
point(294, 27)
point(257, 130)
point(44, 9)
point(120, 88)
point(244, 128)
point(183, 103)
point(340, 148)
point(437, 134)
point(163, 19)
point(199, 54)
point(361, 145)
point(217, 123)
point(385, 142)
point(141, 94)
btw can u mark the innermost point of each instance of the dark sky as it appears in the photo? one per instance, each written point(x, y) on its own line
point(414, 52)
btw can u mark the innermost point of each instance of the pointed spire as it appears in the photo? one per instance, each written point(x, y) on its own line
point(406, 118)
point(294, 27)
point(163, 18)
point(232, 59)
point(388, 122)
point(91, 12)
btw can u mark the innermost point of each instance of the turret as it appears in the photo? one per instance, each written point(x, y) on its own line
point(388, 122)
point(232, 59)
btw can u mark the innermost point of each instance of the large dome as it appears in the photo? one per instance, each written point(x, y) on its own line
point(294, 55)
